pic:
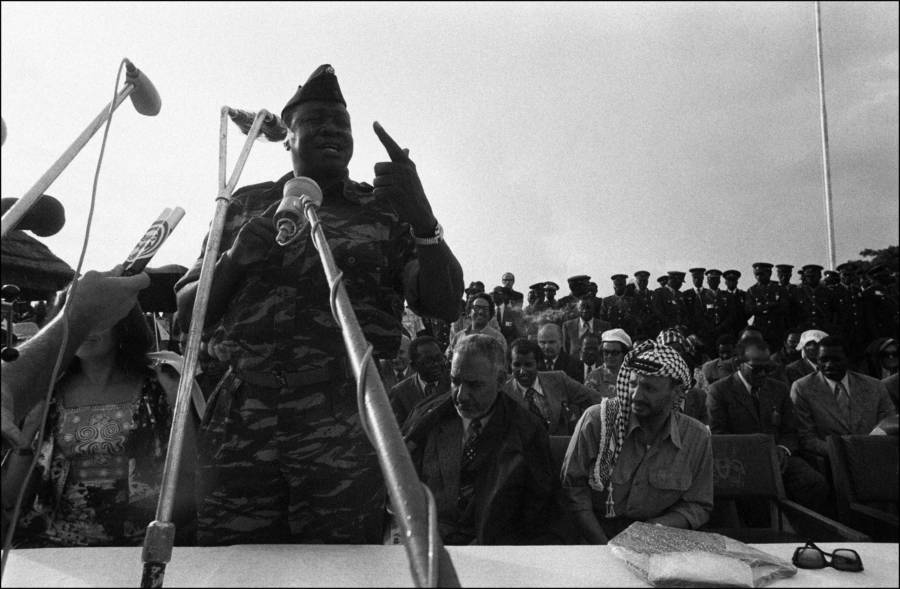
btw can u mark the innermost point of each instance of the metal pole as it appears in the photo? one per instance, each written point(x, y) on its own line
point(410, 499)
point(15, 213)
point(161, 532)
point(825, 165)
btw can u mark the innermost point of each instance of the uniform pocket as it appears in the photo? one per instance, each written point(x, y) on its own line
point(670, 480)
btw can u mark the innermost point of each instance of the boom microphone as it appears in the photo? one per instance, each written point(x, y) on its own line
point(289, 216)
point(272, 127)
point(44, 219)
point(145, 98)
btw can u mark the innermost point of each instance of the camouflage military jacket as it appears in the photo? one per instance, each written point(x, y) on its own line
point(279, 316)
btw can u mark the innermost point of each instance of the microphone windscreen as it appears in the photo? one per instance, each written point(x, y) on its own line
point(145, 98)
point(302, 186)
point(45, 218)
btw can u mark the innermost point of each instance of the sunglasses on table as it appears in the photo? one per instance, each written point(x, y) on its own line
point(813, 557)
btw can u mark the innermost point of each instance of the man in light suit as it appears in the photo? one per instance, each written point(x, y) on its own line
point(751, 402)
point(555, 397)
point(428, 379)
point(837, 401)
point(574, 330)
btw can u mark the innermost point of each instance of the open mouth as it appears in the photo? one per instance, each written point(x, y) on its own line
point(330, 147)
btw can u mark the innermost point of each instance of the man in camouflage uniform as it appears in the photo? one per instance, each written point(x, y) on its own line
point(282, 455)
point(767, 304)
point(815, 301)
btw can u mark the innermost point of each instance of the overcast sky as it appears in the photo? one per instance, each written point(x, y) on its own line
point(551, 139)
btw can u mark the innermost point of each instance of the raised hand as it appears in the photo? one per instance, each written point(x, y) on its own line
point(398, 181)
point(255, 239)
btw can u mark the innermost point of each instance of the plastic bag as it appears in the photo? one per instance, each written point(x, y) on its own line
point(671, 557)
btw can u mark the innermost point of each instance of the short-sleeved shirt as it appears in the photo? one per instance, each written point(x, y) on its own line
point(279, 317)
point(673, 475)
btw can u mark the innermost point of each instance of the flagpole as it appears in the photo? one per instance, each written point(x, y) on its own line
point(826, 168)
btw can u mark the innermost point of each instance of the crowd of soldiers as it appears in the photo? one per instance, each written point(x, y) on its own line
point(859, 305)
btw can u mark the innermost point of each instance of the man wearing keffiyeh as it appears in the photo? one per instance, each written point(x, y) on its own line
point(636, 457)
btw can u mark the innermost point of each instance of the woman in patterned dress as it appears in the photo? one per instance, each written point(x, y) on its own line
point(100, 462)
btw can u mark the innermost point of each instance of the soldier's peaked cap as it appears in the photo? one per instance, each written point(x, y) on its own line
point(618, 277)
point(675, 274)
point(322, 85)
point(578, 279)
point(537, 286)
point(550, 285)
point(731, 274)
point(642, 273)
point(697, 270)
point(713, 272)
point(812, 267)
point(784, 266)
point(762, 265)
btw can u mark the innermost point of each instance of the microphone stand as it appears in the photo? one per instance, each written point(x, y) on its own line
point(18, 210)
point(411, 500)
point(160, 535)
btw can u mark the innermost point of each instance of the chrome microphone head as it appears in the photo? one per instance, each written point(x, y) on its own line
point(302, 187)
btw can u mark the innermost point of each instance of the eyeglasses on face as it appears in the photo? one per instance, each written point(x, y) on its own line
point(813, 557)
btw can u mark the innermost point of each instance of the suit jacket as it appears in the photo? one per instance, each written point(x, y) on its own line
point(797, 370)
point(571, 330)
point(716, 369)
point(818, 414)
point(389, 376)
point(568, 364)
point(511, 322)
point(566, 400)
point(406, 394)
point(514, 481)
point(698, 319)
point(732, 411)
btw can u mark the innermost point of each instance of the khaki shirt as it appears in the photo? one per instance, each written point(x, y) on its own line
point(673, 475)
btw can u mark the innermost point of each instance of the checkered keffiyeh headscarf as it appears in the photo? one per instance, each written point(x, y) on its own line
point(649, 358)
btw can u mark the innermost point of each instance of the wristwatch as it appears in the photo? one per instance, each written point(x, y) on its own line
point(431, 239)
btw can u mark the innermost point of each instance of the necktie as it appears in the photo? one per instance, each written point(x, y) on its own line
point(399, 375)
point(430, 388)
point(471, 441)
point(533, 406)
point(754, 394)
point(842, 398)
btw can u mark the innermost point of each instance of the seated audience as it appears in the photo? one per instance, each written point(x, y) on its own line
point(809, 355)
point(481, 312)
point(881, 357)
point(555, 358)
point(484, 457)
point(554, 397)
point(723, 365)
point(636, 457)
point(751, 402)
point(590, 356)
point(614, 344)
point(429, 377)
point(836, 401)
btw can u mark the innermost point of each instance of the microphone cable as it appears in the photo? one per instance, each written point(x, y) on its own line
point(70, 296)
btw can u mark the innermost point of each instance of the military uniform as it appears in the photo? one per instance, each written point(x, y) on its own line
point(737, 299)
point(641, 311)
point(881, 310)
point(668, 307)
point(816, 307)
point(768, 306)
point(850, 320)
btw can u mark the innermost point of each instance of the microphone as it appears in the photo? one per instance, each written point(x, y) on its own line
point(45, 218)
point(289, 215)
point(272, 127)
point(145, 98)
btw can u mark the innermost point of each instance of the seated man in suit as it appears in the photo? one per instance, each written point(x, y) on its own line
point(555, 358)
point(575, 329)
point(484, 457)
point(751, 402)
point(430, 377)
point(722, 366)
point(837, 401)
point(636, 457)
point(809, 355)
point(555, 397)
point(614, 344)
point(591, 359)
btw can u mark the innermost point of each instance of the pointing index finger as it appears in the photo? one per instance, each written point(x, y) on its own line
point(394, 151)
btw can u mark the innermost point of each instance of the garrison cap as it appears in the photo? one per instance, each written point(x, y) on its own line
point(322, 85)
point(762, 266)
point(784, 266)
point(642, 273)
point(508, 276)
point(550, 285)
point(675, 274)
point(811, 268)
point(697, 270)
point(731, 274)
point(713, 272)
point(618, 277)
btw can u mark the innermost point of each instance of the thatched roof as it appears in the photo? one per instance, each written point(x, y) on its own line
point(30, 265)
